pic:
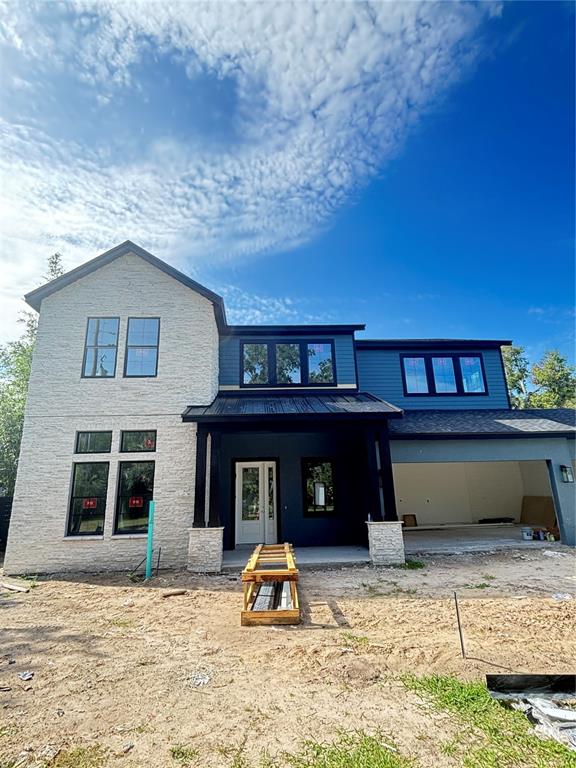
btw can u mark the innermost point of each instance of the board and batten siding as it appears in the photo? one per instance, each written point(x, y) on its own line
point(380, 372)
point(230, 356)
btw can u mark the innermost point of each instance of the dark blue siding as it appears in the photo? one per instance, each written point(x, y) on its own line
point(230, 356)
point(379, 372)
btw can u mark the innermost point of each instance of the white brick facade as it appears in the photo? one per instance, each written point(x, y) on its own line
point(60, 403)
point(386, 542)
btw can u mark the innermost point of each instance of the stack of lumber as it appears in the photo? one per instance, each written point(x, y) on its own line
point(270, 593)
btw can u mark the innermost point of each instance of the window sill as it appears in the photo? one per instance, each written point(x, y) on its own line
point(84, 538)
point(121, 536)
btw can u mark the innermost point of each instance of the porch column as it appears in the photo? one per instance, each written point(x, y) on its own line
point(387, 476)
point(374, 510)
point(200, 478)
point(214, 503)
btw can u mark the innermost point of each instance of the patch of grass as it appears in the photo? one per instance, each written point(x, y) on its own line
point(350, 751)
point(121, 623)
point(80, 757)
point(482, 585)
point(413, 565)
point(183, 754)
point(508, 740)
point(488, 577)
point(351, 640)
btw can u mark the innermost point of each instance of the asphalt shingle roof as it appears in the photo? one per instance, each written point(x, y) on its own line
point(553, 421)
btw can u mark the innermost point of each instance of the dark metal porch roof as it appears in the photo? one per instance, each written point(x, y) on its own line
point(319, 406)
point(533, 422)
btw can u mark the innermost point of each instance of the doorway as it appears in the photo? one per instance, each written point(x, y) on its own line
point(256, 502)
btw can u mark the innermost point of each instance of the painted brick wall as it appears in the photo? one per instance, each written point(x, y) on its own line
point(60, 402)
point(379, 372)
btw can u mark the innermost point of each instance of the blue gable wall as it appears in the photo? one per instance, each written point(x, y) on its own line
point(230, 355)
point(379, 372)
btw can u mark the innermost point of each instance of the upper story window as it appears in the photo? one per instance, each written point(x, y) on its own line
point(93, 442)
point(443, 375)
point(142, 346)
point(288, 363)
point(101, 347)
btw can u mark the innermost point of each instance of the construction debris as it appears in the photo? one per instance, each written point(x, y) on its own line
point(270, 593)
point(551, 720)
point(174, 592)
point(14, 587)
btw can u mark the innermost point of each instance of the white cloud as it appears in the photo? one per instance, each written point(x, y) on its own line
point(245, 308)
point(326, 93)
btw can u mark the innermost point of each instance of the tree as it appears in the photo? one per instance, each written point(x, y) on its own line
point(550, 383)
point(555, 382)
point(15, 365)
point(517, 370)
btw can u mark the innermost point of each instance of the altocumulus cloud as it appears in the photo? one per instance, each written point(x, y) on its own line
point(325, 94)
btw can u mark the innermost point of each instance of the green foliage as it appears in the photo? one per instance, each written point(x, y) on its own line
point(80, 757)
point(355, 751)
point(413, 565)
point(555, 382)
point(15, 365)
point(508, 739)
point(550, 383)
point(184, 755)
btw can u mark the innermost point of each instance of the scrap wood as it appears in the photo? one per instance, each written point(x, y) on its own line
point(174, 592)
point(14, 587)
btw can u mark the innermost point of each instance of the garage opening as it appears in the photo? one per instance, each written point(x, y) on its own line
point(471, 505)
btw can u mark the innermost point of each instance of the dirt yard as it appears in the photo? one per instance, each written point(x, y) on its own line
point(118, 665)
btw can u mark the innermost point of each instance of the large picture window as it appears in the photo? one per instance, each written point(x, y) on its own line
point(288, 364)
point(142, 346)
point(451, 374)
point(88, 501)
point(93, 442)
point(135, 492)
point(101, 347)
point(318, 480)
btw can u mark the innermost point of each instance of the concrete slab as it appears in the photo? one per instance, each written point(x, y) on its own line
point(452, 541)
point(305, 556)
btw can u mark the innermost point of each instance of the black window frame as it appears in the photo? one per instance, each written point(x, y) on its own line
point(141, 346)
point(304, 367)
point(428, 356)
point(84, 375)
point(91, 432)
point(318, 460)
point(72, 498)
point(115, 531)
point(123, 432)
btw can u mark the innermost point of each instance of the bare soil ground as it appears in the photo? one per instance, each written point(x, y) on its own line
point(118, 665)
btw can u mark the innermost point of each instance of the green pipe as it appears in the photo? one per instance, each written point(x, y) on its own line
point(150, 548)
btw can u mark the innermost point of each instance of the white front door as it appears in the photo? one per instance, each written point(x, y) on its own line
point(255, 502)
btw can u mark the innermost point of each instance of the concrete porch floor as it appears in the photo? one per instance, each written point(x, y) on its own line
point(446, 541)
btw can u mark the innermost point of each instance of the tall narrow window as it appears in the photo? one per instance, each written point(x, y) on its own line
point(142, 346)
point(255, 363)
point(135, 492)
point(320, 364)
point(472, 376)
point(318, 478)
point(101, 347)
point(415, 375)
point(444, 376)
point(88, 501)
point(288, 364)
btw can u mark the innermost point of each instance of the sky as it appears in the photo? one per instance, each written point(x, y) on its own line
point(407, 165)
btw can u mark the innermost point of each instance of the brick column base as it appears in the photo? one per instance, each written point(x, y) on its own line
point(205, 548)
point(386, 542)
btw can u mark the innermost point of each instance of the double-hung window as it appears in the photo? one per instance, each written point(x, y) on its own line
point(88, 499)
point(142, 347)
point(288, 364)
point(450, 374)
point(101, 347)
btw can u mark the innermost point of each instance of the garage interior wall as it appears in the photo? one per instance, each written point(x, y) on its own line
point(465, 492)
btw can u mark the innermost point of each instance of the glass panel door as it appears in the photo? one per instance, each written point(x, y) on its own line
point(255, 502)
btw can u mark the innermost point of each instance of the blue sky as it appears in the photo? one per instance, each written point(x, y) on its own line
point(406, 165)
